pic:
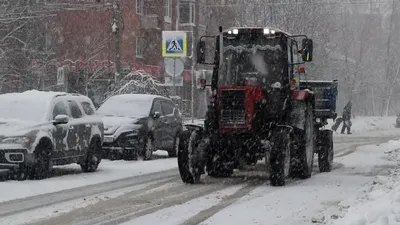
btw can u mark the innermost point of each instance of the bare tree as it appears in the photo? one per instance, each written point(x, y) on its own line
point(138, 82)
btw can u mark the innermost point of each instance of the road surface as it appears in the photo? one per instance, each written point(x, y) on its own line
point(161, 198)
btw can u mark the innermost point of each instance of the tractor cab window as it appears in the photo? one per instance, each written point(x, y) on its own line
point(259, 63)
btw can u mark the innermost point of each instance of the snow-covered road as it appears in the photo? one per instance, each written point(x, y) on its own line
point(152, 192)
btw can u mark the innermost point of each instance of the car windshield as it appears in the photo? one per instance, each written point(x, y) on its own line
point(125, 107)
point(16, 109)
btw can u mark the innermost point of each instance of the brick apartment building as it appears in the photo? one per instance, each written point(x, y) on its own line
point(84, 39)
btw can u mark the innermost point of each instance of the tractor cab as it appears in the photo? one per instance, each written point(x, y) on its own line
point(259, 109)
point(253, 68)
point(256, 57)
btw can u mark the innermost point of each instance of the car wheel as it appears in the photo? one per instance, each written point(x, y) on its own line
point(93, 157)
point(42, 167)
point(148, 148)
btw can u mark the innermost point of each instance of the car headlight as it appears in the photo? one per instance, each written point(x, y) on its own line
point(108, 139)
point(15, 140)
point(132, 133)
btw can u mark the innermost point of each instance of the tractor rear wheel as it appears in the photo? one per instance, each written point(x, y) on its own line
point(304, 154)
point(279, 157)
point(188, 157)
point(325, 151)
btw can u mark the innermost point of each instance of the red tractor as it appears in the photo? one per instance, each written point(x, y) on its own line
point(260, 109)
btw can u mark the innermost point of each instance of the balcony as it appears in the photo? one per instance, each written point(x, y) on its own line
point(151, 21)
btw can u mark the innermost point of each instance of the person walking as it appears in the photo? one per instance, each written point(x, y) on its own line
point(347, 118)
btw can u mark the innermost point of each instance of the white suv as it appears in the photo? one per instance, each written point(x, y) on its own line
point(40, 129)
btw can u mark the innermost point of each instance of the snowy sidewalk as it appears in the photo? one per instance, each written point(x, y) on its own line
point(378, 203)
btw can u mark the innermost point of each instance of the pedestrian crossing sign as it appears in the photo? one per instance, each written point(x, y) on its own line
point(174, 44)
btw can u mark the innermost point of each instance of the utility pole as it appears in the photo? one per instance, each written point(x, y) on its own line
point(44, 62)
point(195, 36)
point(116, 29)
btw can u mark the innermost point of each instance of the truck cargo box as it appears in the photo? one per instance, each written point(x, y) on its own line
point(325, 97)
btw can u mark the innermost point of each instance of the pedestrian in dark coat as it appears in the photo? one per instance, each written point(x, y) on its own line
point(347, 118)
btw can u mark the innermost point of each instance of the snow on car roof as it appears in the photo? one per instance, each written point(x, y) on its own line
point(140, 97)
point(15, 105)
point(38, 96)
point(129, 105)
point(32, 95)
point(37, 103)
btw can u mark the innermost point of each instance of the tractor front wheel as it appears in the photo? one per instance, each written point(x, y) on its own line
point(303, 154)
point(279, 157)
point(190, 156)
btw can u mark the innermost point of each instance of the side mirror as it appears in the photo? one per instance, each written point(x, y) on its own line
point(156, 115)
point(203, 84)
point(201, 52)
point(307, 51)
point(61, 119)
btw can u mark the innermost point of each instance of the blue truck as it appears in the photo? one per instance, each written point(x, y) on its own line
point(325, 94)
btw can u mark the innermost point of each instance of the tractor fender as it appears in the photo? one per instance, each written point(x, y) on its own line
point(328, 129)
point(193, 127)
point(287, 126)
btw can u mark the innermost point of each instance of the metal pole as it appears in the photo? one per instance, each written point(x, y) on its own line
point(173, 79)
point(193, 76)
point(66, 81)
point(86, 84)
point(42, 77)
point(116, 31)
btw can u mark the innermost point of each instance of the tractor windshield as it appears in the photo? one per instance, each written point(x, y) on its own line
point(253, 61)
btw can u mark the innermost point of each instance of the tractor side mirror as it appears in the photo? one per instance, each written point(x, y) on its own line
point(205, 50)
point(201, 52)
point(307, 50)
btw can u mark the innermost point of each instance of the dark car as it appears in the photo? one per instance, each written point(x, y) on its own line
point(137, 124)
point(40, 129)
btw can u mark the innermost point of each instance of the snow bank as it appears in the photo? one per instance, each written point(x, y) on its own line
point(379, 202)
point(362, 124)
point(370, 156)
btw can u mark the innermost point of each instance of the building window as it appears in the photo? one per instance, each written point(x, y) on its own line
point(139, 7)
point(187, 11)
point(140, 47)
point(168, 10)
